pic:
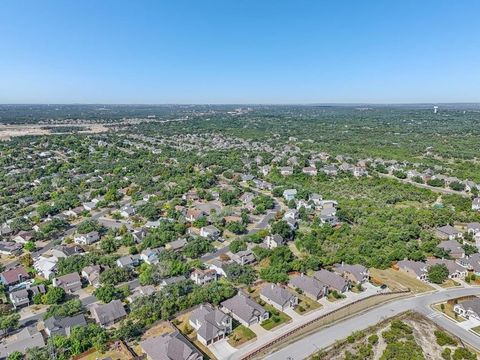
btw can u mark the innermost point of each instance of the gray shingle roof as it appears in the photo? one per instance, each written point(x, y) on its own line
point(330, 279)
point(211, 321)
point(277, 294)
point(244, 307)
point(172, 346)
point(108, 313)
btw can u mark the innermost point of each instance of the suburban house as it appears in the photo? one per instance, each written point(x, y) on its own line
point(245, 310)
point(201, 277)
point(46, 266)
point(473, 228)
point(62, 251)
point(23, 237)
point(14, 276)
point(210, 232)
point(416, 269)
point(19, 298)
point(468, 309)
point(476, 204)
point(92, 274)
point(128, 261)
point(63, 326)
point(127, 211)
point(10, 248)
point(287, 170)
point(244, 257)
point(279, 297)
point(176, 245)
point(211, 324)
point(448, 232)
point(170, 346)
point(273, 241)
point(454, 248)
point(310, 286)
point(354, 273)
point(219, 266)
point(289, 194)
point(194, 214)
point(150, 256)
point(86, 239)
point(140, 292)
point(316, 199)
point(309, 170)
point(455, 271)
point(27, 338)
point(108, 314)
point(69, 282)
point(291, 214)
point(471, 262)
point(332, 281)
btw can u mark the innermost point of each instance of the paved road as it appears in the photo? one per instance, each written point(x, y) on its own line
point(264, 222)
point(426, 186)
point(215, 254)
point(327, 336)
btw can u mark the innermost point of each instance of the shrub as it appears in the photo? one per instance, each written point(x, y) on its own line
point(444, 339)
point(373, 339)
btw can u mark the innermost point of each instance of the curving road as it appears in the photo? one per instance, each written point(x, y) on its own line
point(327, 336)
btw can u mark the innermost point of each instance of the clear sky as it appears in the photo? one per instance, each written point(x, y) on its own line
point(239, 51)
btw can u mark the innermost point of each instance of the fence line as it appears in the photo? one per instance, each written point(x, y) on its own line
point(256, 352)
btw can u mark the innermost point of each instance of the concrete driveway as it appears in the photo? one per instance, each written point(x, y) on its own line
point(222, 349)
point(325, 337)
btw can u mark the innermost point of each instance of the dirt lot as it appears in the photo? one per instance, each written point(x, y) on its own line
point(398, 280)
point(115, 352)
point(9, 131)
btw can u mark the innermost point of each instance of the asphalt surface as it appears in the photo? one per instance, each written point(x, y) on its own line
point(328, 336)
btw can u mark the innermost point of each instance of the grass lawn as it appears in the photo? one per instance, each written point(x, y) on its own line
point(277, 318)
point(332, 298)
point(240, 335)
point(305, 304)
point(398, 280)
point(449, 283)
point(448, 310)
point(476, 329)
point(115, 354)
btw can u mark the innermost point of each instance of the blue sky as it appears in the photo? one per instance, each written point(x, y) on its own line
point(239, 51)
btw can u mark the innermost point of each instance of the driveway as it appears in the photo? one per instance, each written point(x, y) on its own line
point(325, 337)
point(222, 349)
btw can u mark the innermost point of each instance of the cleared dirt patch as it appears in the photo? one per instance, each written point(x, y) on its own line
point(398, 280)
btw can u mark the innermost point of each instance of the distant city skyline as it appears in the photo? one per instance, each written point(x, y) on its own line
point(243, 52)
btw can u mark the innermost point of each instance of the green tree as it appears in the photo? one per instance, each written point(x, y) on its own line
point(107, 293)
point(54, 295)
point(237, 245)
point(438, 273)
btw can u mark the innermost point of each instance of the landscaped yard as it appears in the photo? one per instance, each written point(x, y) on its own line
point(332, 297)
point(277, 318)
point(447, 309)
point(398, 280)
point(305, 304)
point(240, 335)
point(449, 283)
point(115, 353)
